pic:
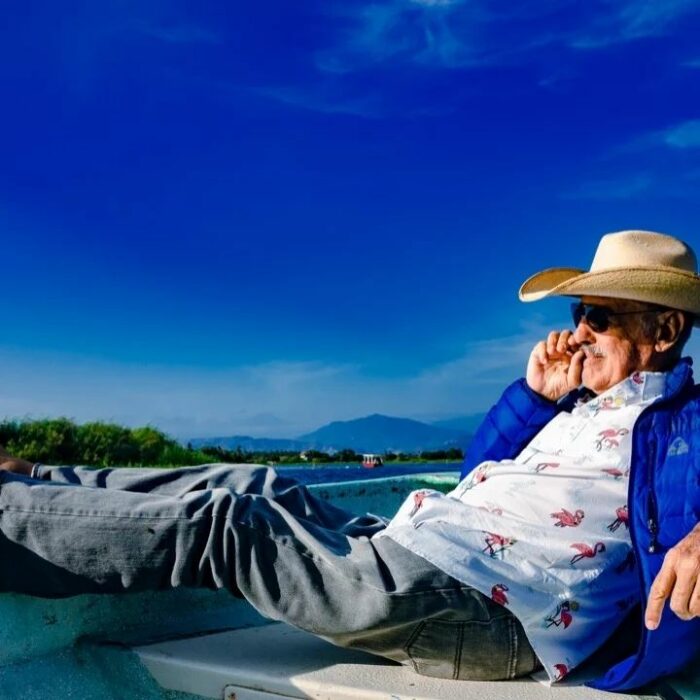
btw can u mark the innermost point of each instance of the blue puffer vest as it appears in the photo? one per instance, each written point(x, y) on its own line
point(664, 500)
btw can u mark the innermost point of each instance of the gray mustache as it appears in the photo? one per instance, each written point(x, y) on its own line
point(592, 351)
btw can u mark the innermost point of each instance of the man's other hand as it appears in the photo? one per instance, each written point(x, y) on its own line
point(9, 463)
point(677, 580)
point(555, 365)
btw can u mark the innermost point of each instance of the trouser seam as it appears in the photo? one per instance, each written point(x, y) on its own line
point(513, 647)
point(92, 514)
point(458, 652)
point(411, 639)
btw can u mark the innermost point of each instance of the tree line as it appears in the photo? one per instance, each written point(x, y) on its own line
point(62, 441)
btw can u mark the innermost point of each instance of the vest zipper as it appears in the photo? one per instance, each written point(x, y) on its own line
point(652, 523)
point(652, 511)
point(652, 518)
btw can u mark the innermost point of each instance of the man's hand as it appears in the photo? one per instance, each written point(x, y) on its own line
point(555, 365)
point(677, 580)
point(9, 463)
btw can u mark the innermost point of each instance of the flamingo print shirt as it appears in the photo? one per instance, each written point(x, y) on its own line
point(545, 534)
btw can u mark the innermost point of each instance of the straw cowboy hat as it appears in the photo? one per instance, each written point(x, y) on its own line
point(638, 265)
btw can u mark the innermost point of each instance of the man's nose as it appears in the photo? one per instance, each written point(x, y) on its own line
point(583, 333)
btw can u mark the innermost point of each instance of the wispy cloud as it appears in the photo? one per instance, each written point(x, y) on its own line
point(660, 157)
point(278, 399)
point(436, 3)
point(676, 137)
point(437, 33)
point(285, 396)
point(460, 34)
point(549, 36)
point(620, 22)
point(612, 189)
point(684, 135)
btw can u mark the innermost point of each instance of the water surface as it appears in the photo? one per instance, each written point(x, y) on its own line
point(335, 471)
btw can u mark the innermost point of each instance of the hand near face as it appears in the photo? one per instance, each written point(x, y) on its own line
point(555, 365)
point(677, 581)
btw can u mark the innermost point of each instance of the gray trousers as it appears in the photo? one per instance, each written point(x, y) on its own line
point(261, 535)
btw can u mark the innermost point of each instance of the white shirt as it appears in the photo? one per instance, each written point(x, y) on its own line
point(545, 534)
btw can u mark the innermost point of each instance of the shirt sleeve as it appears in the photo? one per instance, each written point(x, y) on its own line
point(511, 423)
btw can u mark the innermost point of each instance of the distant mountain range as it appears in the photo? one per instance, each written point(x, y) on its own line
point(250, 444)
point(375, 433)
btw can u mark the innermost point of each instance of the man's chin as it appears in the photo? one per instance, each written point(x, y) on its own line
point(592, 381)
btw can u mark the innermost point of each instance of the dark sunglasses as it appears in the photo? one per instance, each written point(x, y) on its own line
point(598, 317)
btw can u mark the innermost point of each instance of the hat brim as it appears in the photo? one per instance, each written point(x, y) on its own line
point(666, 286)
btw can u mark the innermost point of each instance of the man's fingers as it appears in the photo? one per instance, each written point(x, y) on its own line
point(679, 580)
point(540, 352)
point(575, 371)
point(659, 592)
point(558, 343)
point(549, 370)
point(563, 342)
point(686, 579)
point(694, 607)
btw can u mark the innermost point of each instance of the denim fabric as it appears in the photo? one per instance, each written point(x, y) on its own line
point(294, 557)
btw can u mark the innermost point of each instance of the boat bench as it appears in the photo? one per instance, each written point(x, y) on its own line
point(278, 661)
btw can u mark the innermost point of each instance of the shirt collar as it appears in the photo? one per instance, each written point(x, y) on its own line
point(639, 388)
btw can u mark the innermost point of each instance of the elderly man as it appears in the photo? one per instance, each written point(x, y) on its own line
point(579, 502)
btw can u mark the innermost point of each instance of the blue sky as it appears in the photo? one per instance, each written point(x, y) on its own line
point(254, 218)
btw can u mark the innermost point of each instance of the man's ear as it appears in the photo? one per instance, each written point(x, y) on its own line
point(671, 325)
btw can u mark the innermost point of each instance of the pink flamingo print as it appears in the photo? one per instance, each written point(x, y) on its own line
point(498, 594)
point(585, 551)
point(567, 519)
point(496, 544)
point(418, 499)
point(478, 476)
point(608, 438)
point(607, 403)
point(545, 465)
point(562, 615)
point(561, 671)
point(622, 518)
point(614, 472)
point(492, 508)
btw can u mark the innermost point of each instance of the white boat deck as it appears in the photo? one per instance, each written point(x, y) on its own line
point(277, 661)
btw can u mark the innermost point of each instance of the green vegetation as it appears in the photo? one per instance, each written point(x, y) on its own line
point(61, 441)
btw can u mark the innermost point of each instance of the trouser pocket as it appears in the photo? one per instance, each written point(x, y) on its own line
point(475, 650)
